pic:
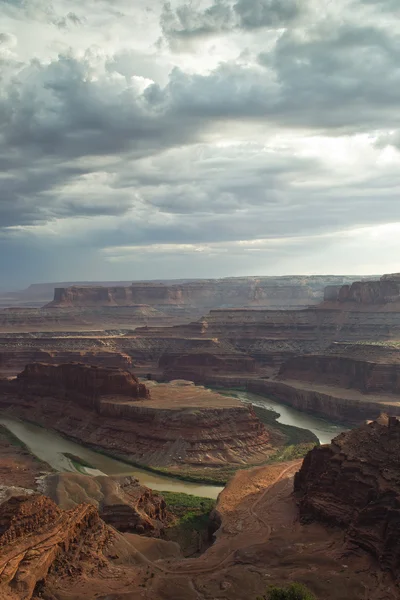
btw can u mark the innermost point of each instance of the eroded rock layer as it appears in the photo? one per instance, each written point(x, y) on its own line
point(202, 366)
point(369, 369)
point(79, 381)
point(354, 483)
point(180, 425)
point(121, 501)
point(36, 537)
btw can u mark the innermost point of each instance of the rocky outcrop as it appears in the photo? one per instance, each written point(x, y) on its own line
point(82, 383)
point(354, 483)
point(121, 501)
point(36, 538)
point(182, 425)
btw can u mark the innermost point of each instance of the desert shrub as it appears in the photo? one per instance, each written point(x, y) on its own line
point(295, 591)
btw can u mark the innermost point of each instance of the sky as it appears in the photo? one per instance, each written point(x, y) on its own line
point(144, 139)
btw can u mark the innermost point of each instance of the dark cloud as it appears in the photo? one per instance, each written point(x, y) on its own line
point(94, 157)
point(187, 23)
point(255, 14)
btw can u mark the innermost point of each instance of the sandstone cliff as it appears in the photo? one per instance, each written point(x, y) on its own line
point(369, 369)
point(247, 291)
point(200, 366)
point(182, 425)
point(354, 483)
point(37, 537)
point(84, 383)
point(384, 291)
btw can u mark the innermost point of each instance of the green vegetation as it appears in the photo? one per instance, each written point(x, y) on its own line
point(77, 461)
point(291, 453)
point(189, 510)
point(190, 522)
point(294, 591)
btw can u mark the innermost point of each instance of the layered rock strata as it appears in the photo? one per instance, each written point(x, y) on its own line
point(121, 501)
point(246, 291)
point(364, 294)
point(369, 369)
point(202, 366)
point(85, 384)
point(36, 537)
point(354, 483)
point(180, 425)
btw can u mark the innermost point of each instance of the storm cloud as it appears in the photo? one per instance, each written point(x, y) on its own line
point(197, 132)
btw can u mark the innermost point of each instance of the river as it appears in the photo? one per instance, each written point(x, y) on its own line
point(50, 447)
point(324, 430)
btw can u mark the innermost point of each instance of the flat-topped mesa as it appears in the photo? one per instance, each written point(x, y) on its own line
point(247, 291)
point(182, 426)
point(354, 483)
point(383, 291)
point(81, 383)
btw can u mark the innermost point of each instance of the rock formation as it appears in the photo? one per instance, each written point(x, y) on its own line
point(14, 361)
point(83, 383)
point(182, 425)
point(36, 537)
point(367, 368)
point(354, 483)
point(121, 501)
point(246, 291)
point(348, 382)
point(204, 366)
point(366, 293)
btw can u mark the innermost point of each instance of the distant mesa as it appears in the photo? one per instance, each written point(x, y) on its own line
point(294, 292)
point(386, 290)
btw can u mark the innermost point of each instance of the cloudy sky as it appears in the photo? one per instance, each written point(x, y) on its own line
point(144, 139)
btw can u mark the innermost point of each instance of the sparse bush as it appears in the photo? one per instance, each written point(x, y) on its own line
point(295, 591)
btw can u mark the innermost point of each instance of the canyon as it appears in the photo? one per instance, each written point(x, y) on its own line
point(328, 537)
point(178, 426)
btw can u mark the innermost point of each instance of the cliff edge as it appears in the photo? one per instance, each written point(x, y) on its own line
point(354, 483)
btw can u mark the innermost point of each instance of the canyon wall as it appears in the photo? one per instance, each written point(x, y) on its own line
point(353, 483)
point(199, 366)
point(83, 383)
point(295, 292)
point(180, 425)
point(347, 370)
point(333, 403)
point(385, 291)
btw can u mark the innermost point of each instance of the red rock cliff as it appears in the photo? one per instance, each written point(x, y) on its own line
point(84, 383)
point(354, 483)
point(384, 291)
point(37, 538)
point(378, 372)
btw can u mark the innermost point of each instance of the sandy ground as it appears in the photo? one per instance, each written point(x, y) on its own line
point(261, 542)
